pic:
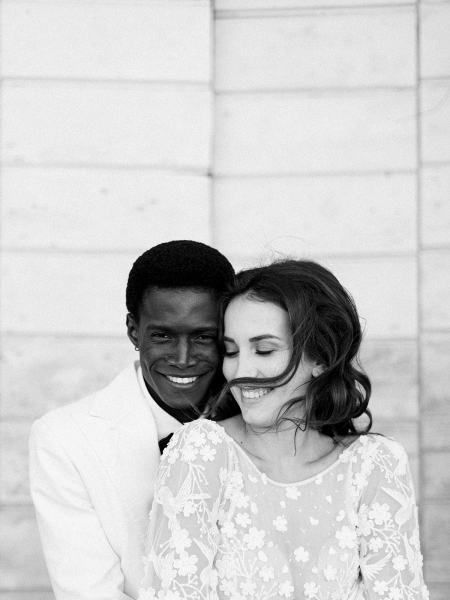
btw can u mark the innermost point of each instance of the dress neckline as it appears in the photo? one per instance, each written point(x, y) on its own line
point(266, 478)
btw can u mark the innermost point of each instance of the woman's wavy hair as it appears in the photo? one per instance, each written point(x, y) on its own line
point(325, 328)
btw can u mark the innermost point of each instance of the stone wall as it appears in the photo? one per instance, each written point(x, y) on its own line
point(263, 127)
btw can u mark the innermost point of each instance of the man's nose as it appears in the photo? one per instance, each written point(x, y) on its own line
point(182, 355)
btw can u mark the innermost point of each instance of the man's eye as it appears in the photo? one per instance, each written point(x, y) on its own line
point(206, 339)
point(160, 336)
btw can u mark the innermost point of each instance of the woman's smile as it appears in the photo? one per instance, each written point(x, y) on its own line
point(251, 393)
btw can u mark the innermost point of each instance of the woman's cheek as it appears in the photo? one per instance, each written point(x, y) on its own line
point(227, 369)
point(235, 393)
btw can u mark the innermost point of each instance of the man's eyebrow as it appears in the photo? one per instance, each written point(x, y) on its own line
point(155, 325)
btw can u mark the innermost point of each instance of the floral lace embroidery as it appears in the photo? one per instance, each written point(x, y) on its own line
point(219, 529)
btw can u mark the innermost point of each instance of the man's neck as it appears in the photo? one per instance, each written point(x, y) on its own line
point(183, 415)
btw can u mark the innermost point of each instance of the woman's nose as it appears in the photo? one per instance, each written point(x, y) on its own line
point(245, 367)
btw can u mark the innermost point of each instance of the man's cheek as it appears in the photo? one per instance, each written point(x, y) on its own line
point(212, 356)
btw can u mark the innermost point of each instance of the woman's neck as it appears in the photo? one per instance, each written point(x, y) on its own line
point(288, 452)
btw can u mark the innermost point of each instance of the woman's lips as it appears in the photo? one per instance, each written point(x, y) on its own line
point(252, 393)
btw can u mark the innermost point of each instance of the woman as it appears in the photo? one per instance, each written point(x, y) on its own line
point(289, 498)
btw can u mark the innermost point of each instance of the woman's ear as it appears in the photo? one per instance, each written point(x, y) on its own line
point(317, 370)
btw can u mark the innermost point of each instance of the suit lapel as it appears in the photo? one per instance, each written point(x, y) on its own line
point(126, 440)
point(121, 453)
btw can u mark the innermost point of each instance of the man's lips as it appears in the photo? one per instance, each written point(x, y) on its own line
point(182, 380)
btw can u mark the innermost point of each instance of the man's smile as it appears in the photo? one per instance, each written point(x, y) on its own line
point(181, 381)
point(184, 380)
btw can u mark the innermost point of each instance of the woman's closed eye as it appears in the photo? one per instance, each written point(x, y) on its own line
point(230, 352)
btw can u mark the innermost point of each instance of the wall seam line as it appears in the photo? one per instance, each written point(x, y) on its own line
point(421, 492)
point(212, 199)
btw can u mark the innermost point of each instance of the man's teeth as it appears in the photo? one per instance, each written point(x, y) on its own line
point(254, 393)
point(182, 380)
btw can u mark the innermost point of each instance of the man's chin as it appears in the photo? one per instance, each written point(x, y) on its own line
point(180, 395)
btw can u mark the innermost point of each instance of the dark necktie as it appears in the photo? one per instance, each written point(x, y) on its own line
point(164, 441)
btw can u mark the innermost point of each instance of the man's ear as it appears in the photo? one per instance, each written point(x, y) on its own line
point(132, 330)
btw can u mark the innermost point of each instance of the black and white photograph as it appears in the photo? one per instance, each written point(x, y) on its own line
point(225, 300)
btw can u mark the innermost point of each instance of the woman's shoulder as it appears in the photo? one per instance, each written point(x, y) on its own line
point(383, 445)
point(198, 434)
point(379, 452)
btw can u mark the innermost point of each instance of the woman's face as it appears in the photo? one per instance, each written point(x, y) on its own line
point(258, 343)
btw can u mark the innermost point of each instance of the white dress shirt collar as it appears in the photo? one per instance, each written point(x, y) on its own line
point(165, 423)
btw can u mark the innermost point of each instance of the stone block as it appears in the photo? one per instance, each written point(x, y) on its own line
point(332, 215)
point(435, 121)
point(349, 48)
point(435, 536)
point(435, 269)
point(434, 39)
point(41, 373)
point(101, 209)
point(435, 430)
point(392, 368)
point(108, 123)
point(22, 565)
point(65, 293)
point(435, 374)
point(385, 292)
point(103, 40)
point(14, 484)
point(438, 591)
point(435, 222)
point(314, 132)
point(278, 7)
point(436, 475)
point(21, 595)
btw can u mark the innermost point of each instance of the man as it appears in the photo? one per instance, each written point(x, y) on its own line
point(93, 463)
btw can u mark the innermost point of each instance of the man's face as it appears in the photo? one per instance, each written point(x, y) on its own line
point(177, 339)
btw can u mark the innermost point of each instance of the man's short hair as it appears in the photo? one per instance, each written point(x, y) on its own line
point(177, 264)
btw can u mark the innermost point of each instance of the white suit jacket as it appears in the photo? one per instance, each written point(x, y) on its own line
point(93, 466)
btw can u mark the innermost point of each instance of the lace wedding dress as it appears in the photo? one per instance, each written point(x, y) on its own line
point(221, 529)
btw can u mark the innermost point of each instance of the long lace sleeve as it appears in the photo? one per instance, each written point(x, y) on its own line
point(391, 561)
point(183, 534)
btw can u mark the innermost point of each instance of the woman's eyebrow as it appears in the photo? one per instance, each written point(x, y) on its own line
point(264, 336)
point(257, 338)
